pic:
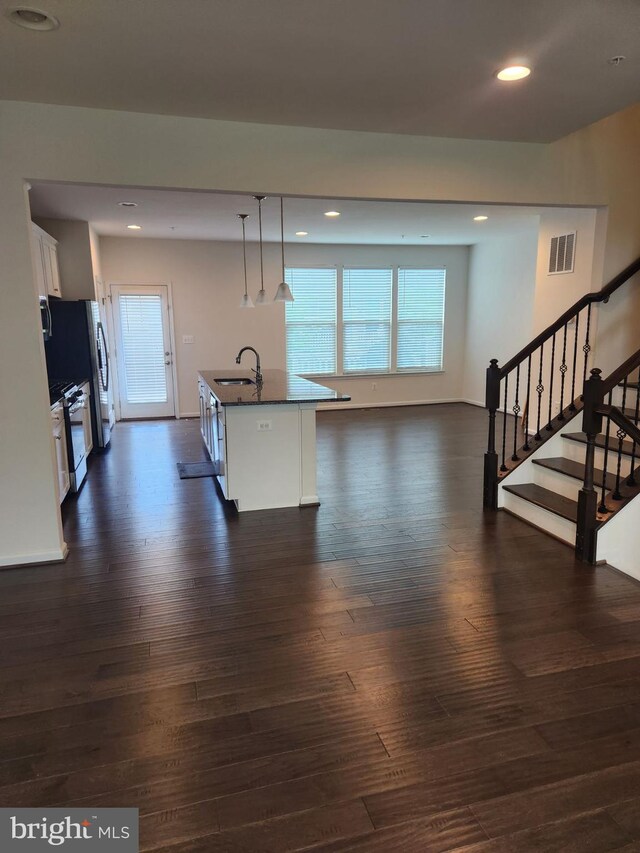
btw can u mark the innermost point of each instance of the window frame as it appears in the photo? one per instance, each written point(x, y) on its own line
point(393, 355)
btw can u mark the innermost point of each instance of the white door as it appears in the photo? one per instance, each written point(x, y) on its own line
point(143, 351)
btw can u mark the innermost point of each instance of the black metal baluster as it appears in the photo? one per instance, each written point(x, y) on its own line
point(539, 390)
point(603, 507)
point(527, 446)
point(586, 349)
point(492, 404)
point(503, 467)
point(620, 435)
point(516, 412)
point(563, 373)
point(631, 481)
point(572, 405)
point(553, 363)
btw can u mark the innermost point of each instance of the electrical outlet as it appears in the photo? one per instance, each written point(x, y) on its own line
point(188, 339)
point(264, 426)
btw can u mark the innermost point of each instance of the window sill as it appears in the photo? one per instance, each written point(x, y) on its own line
point(318, 377)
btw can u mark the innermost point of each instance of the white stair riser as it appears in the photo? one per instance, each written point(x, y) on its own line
point(576, 450)
point(556, 482)
point(618, 540)
point(542, 518)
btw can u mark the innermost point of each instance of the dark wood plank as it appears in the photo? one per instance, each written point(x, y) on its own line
point(394, 669)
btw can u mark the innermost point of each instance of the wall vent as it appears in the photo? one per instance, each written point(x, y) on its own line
point(562, 253)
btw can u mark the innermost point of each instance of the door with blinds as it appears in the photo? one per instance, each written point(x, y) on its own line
point(143, 351)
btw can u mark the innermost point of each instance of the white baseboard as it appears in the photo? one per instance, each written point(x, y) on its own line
point(331, 407)
point(23, 560)
point(336, 407)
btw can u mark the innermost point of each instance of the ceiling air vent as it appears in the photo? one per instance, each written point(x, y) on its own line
point(562, 253)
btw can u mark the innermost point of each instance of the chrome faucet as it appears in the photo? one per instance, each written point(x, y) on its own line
point(257, 370)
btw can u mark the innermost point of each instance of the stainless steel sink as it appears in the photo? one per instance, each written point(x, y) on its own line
point(236, 381)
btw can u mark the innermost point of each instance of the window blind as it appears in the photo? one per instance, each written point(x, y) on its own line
point(366, 320)
point(143, 345)
point(420, 319)
point(311, 320)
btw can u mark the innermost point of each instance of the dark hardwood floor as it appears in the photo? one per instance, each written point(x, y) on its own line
point(391, 671)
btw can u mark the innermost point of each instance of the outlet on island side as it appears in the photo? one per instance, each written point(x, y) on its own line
point(264, 426)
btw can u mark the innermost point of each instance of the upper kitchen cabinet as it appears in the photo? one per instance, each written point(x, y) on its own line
point(45, 259)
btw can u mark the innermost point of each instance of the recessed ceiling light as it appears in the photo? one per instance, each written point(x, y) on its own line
point(127, 204)
point(32, 19)
point(480, 218)
point(332, 213)
point(135, 227)
point(513, 72)
point(302, 233)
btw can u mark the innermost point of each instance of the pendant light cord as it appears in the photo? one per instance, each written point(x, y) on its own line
point(244, 256)
point(282, 232)
point(261, 260)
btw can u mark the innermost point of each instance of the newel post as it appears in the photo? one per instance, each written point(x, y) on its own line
point(492, 402)
point(588, 498)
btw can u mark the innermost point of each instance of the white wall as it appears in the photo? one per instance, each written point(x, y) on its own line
point(555, 293)
point(207, 282)
point(595, 166)
point(502, 281)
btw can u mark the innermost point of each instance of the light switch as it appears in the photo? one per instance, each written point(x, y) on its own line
point(188, 339)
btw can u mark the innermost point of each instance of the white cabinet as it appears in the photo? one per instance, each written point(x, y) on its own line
point(62, 459)
point(45, 261)
point(86, 418)
point(212, 428)
point(265, 454)
point(206, 418)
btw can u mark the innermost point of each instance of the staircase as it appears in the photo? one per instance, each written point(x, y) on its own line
point(564, 443)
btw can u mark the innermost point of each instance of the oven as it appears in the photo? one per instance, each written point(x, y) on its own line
point(79, 436)
point(77, 424)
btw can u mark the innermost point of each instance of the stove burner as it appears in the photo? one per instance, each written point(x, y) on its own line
point(66, 391)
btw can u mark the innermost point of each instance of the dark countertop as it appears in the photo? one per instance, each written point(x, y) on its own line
point(277, 387)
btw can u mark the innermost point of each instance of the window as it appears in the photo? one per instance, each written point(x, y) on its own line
point(311, 321)
point(349, 320)
point(366, 320)
point(420, 319)
point(143, 348)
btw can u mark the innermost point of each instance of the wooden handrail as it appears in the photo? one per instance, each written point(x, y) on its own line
point(589, 298)
point(621, 419)
point(621, 373)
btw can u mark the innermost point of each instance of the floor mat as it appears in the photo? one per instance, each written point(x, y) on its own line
point(190, 470)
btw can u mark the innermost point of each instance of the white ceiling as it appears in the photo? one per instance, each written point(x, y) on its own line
point(401, 66)
point(212, 216)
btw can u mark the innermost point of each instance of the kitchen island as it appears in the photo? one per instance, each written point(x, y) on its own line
point(261, 436)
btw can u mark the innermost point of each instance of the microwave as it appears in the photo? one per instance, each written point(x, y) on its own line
point(45, 318)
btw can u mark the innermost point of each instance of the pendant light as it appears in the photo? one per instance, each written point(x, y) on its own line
point(283, 293)
point(245, 302)
point(261, 298)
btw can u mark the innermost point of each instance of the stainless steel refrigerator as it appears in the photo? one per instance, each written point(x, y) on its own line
point(77, 351)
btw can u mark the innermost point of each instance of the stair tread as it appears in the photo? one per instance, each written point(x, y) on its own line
point(627, 446)
point(558, 504)
point(575, 470)
point(631, 414)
